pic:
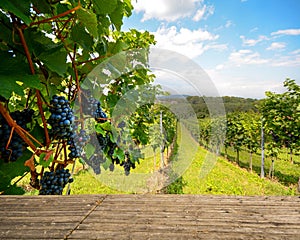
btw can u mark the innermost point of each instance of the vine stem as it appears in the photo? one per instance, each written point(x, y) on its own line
point(38, 94)
point(17, 128)
point(27, 53)
point(54, 17)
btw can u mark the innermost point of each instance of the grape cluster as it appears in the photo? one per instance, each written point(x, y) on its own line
point(107, 145)
point(61, 118)
point(127, 164)
point(102, 140)
point(16, 145)
point(100, 116)
point(92, 107)
point(76, 143)
point(53, 183)
point(96, 159)
point(94, 162)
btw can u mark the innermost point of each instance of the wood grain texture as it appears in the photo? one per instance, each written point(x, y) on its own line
point(149, 217)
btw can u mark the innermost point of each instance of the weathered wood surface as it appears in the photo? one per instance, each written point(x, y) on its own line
point(149, 217)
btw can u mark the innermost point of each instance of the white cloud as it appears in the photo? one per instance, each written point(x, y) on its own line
point(254, 29)
point(199, 14)
point(203, 12)
point(220, 67)
point(230, 82)
point(228, 24)
point(287, 61)
point(277, 46)
point(296, 52)
point(191, 43)
point(171, 10)
point(286, 32)
point(245, 57)
point(252, 42)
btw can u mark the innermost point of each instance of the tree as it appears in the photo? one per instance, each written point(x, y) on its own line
point(235, 134)
point(281, 116)
point(251, 124)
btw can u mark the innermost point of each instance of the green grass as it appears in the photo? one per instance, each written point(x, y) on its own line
point(209, 174)
point(202, 173)
point(285, 172)
point(229, 179)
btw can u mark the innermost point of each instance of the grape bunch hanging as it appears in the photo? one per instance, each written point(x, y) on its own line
point(11, 144)
point(61, 118)
point(53, 183)
point(76, 143)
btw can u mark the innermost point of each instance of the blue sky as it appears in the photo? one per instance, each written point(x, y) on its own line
point(246, 47)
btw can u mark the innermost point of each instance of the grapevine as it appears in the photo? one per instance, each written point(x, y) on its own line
point(47, 50)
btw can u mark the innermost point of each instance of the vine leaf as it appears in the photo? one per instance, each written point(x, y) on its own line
point(89, 150)
point(117, 16)
point(105, 6)
point(42, 6)
point(80, 36)
point(89, 20)
point(16, 79)
point(119, 153)
point(46, 158)
point(56, 60)
point(100, 130)
point(19, 8)
point(106, 126)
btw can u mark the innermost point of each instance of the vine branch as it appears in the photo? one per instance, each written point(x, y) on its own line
point(54, 17)
point(17, 128)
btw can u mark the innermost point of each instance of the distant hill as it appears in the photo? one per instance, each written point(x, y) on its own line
point(231, 104)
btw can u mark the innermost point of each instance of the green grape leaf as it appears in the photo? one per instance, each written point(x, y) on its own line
point(82, 161)
point(17, 168)
point(117, 16)
point(105, 6)
point(19, 8)
point(119, 153)
point(89, 20)
point(45, 162)
point(14, 190)
point(16, 79)
point(56, 60)
point(106, 126)
point(42, 6)
point(80, 36)
point(89, 150)
point(100, 130)
point(106, 164)
point(38, 42)
point(5, 181)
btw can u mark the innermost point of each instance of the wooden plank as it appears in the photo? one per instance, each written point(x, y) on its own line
point(149, 217)
point(192, 217)
point(43, 217)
